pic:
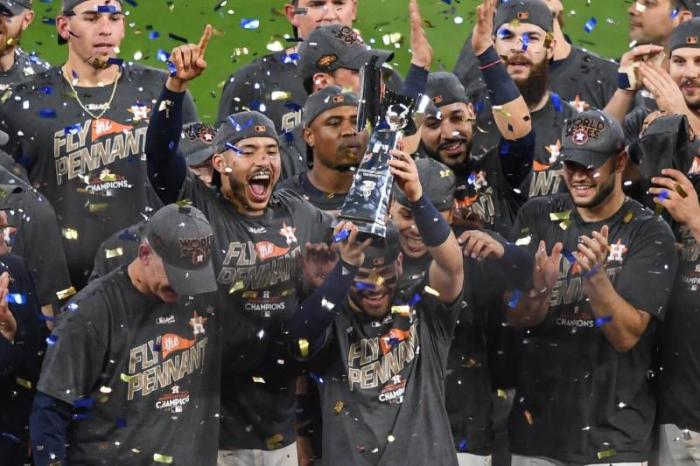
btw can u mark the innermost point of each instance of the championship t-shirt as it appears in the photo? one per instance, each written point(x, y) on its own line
point(25, 67)
point(142, 375)
point(92, 170)
point(382, 385)
point(578, 399)
point(33, 234)
point(300, 184)
point(119, 249)
point(258, 268)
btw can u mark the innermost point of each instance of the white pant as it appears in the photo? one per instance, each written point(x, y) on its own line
point(468, 459)
point(286, 456)
point(677, 448)
point(519, 460)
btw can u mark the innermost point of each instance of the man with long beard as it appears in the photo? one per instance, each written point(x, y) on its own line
point(15, 64)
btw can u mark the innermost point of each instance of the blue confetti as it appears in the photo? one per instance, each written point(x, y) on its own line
point(48, 318)
point(81, 416)
point(115, 61)
point(341, 236)
point(153, 35)
point(127, 235)
point(10, 437)
point(364, 286)
point(48, 90)
point(106, 9)
point(250, 23)
point(121, 422)
point(73, 129)
point(315, 377)
point(515, 298)
point(479, 107)
point(503, 33)
point(16, 298)
point(556, 102)
point(47, 113)
point(526, 41)
point(462, 445)
point(663, 194)
point(235, 149)
point(84, 403)
point(238, 126)
point(172, 68)
point(674, 13)
point(49, 21)
point(600, 321)
point(590, 25)
point(569, 256)
point(162, 55)
point(471, 179)
point(415, 300)
point(393, 341)
point(504, 148)
point(51, 340)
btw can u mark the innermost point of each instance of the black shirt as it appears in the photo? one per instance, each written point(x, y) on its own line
point(300, 184)
point(577, 398)
point(33, 234)
point(117, 250)
point(259, 277)
point(20, 362)
point(25, 67)
point(142, 375)
point(93, 171)
point(383, 387)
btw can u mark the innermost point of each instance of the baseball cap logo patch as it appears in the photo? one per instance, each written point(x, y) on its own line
point(206, 134)
point(326, 61)
point(197, 250)
point(338, 99)
point(579, 137)
point(523, 15)
point(346, 35)
point(437, 99)
point(582, 129)
point(260, 129)
point(691, 40)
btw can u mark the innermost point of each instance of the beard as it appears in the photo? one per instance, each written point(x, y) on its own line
point(535, 86)
point(602, 195)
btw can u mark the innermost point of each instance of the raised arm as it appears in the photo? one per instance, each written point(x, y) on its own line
point(446, 273)
point(166, 167)
point(510, 111)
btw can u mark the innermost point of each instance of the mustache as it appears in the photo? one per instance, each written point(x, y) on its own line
point(690, 82)
point(517, 59)
point(452, 140)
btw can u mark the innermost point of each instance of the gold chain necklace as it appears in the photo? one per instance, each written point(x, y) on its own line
point(75, 94)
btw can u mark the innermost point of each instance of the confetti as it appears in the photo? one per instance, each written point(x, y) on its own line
point(85, 403)
point(629, 216)
point(258, 379)
point(431, 291)
point(515, 298)
point(525, 41)
point(10, 437)
point(681, 192)
point(556, 102)
point(274, 442)
point(524, 241)
point(65, 294)
point(69, 233)
point(338, 408)
point(236, 286)
point(23, 383)
point(47, 113)
point(606, 453)
point(106, 9)
point(125, 377)
point(16, 298)
point(364, 286)
point(112, 253)
point(160, 458)
point(72, 129)
point(341, 236)
point(390, 438)
point(250, 23)
point(600, 321)
point(403, 310)
point(502, 394)
point(590, 25)
point(303, 347)
point(51, 340)
point(280, 95)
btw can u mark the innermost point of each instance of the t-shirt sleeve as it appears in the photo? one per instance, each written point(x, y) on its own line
point(74, 358)
point(189, 110)
point(649, 269)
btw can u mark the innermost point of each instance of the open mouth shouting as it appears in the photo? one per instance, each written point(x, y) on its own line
point(259, 186)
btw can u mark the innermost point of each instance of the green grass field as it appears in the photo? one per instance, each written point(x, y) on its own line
point(447, 22)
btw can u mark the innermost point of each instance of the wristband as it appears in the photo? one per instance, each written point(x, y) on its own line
point(497, 79)
point(432, 226)
point(627, 78)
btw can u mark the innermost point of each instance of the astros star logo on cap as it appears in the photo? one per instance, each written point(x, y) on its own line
point(579, 137)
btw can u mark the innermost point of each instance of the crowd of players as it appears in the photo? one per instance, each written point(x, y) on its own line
point(174, 292)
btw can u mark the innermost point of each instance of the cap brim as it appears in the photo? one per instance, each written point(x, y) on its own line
point(585, 158)
point(361, 59)
point(11, 8)
point(198, 157)
point(190, 282)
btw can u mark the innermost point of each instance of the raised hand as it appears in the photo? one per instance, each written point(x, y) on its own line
point(676, 193)
point(482, 37)
point(187, 62)
point(593, 252)
point(421, 50)
point(405, 172)
point(480, 245)
point(317, 262)
point(351, 250)
point(546, 271)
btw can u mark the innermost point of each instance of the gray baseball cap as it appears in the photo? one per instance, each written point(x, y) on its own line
point(685, 35)
point(444, 88)
point(196, 139)
point(184, 240)
point(383, 251)
point(329, 48)
point(14, 7)
point(525, 11)
point(326, 99)
point(239, 126)
point(591, 138)
point(438, 183)
point(691, 5)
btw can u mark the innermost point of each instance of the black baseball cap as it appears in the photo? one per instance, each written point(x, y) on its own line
point(6, 194)
point(196, 139)
point(685, 35)
point(326, 99)
point(4, 138)
point(14, 7)
point(524, 11)
point(184, 240)
point(383, 251)
point(438, 183)
point(591, 138)
point(691, 5)
point(444, 88)
point(329, 48)
point(236, 127)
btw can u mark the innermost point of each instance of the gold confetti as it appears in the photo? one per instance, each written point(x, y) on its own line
point(236, 286)
point(304, 347)
point(23, 383)
point(106, 175)
point(258, 379)
point(96, 208)
point(160, 458)
point(403, 310)
point(392, 38)
point(275, 46)
point(112, 253)
point(249, 294)
point(274, 442)
point(560, 216)
point(65, 294)
point(125, 377)
point(523, 241)
point(679, 189)
point(565, 224)
point(184, 203)
point(280, 95)
point(431, 291)
point(606, 453)
point(338, 408)
point(501, 110)
point(502, 394)
point(629, 216)
point(69, 233)
point(5, 96)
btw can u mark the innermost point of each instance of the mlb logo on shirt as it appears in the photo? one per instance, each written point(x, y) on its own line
point(523, 15)
point(691, 40)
